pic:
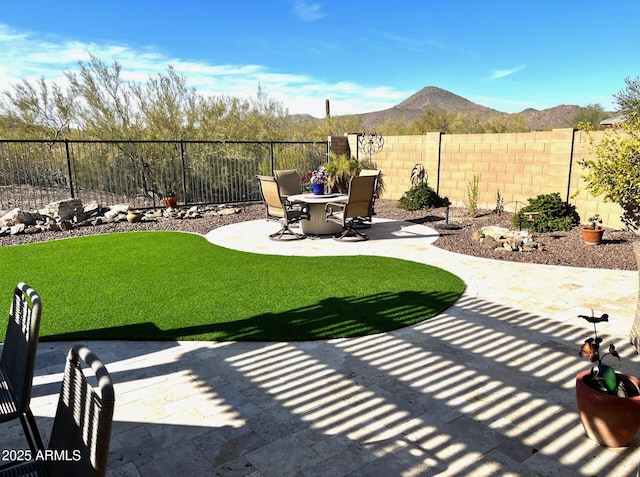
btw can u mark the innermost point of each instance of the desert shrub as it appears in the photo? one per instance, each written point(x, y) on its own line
point(472, 196)
point(549, 213)
point(421, 196)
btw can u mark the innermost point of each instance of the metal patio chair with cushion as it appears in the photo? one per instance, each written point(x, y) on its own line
point(278, 209)
point(81, 432)
point(288, 181)
point(18, 361)
point(356, 209)
point(376, 173)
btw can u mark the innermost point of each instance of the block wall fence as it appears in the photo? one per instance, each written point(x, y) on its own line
point(518, 165)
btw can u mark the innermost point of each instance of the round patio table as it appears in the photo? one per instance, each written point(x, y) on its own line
point(317, 224)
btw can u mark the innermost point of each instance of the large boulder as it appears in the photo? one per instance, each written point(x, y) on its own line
point(66, 209)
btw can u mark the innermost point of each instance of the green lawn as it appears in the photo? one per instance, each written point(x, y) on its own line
point(177, 286)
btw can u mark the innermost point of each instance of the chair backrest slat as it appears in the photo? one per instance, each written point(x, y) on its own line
point(82, 425)
point(20, 347)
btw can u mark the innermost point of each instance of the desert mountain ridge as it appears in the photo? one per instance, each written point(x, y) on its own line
point(432, 97)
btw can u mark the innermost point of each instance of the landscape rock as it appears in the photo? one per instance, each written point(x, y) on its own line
point(66, 209)
point(17, 216)
point(92, 209)
point(490, 242)
point(65, 225)
point(17, 229)
point(114, 210)
point(69, 214)
point(477, 235)
point(503, 239)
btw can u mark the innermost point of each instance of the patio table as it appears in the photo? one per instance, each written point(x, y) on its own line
point(317, 225)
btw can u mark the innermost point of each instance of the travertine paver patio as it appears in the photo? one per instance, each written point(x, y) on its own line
point(485, 388)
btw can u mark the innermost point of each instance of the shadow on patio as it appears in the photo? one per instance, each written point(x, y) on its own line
point(482, 390)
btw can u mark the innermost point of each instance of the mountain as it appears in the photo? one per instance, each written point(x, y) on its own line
point(432, 97)
point(556, 117)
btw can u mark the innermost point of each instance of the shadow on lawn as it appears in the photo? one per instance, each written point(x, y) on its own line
point(329, 318)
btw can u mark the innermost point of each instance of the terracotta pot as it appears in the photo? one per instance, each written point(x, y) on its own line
point(592, 236)
point(611, 421)
point(171, 201)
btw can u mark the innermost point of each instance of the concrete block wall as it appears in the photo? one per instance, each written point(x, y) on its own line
point(517, 165)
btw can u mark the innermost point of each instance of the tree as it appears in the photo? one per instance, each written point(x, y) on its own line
point(628, 99)
point(591, 114)
point(615, 172)
point(38, 109)
point(105, 109)
point(168, 106)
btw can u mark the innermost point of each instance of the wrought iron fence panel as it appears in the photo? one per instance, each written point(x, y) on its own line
point(32, 173)
point(140, 173)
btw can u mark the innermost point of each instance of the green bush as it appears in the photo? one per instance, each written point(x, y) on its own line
point(421, 196)
point(549, 213)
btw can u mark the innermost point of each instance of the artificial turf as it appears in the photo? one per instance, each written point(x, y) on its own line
point(178, 286)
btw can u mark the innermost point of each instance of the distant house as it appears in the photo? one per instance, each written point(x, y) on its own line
point(613, 122)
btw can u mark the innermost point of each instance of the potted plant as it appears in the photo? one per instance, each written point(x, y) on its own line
point(340, 169)
point(170, 199)
point(592, 233)
point(608, 402)
point(317, 179)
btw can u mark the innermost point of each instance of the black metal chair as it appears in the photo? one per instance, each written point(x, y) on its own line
point(81, 432)
point(278, 209)
point(18, 361)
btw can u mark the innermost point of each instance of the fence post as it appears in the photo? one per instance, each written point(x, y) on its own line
point(184, 172)
point(66, 146)
point(273, 161)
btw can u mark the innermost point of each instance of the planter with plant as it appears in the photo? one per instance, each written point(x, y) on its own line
point(592, 233)
point(317, 179)
point(170, 199)
point(608, 402)
point(340, 169)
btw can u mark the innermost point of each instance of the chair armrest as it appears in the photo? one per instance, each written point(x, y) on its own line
point(332, 205)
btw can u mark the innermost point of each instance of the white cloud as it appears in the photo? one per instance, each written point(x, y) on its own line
point(24, 56)
point(497, 74)
point(308, 12)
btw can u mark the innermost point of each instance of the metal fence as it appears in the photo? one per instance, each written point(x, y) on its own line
point(35, 173)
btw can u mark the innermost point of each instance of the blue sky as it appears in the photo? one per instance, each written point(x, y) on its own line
point(362, 56)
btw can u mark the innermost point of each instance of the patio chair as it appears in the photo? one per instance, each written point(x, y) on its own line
point(635, 329)
point(81, 431)
point(278, 209)
point(18, 361)
point(376, 173)
point(356, 209)
point(288, 182)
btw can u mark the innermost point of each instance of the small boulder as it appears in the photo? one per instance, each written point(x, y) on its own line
point(17, 216)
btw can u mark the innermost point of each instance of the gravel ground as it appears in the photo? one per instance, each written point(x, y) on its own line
point(558, 248)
